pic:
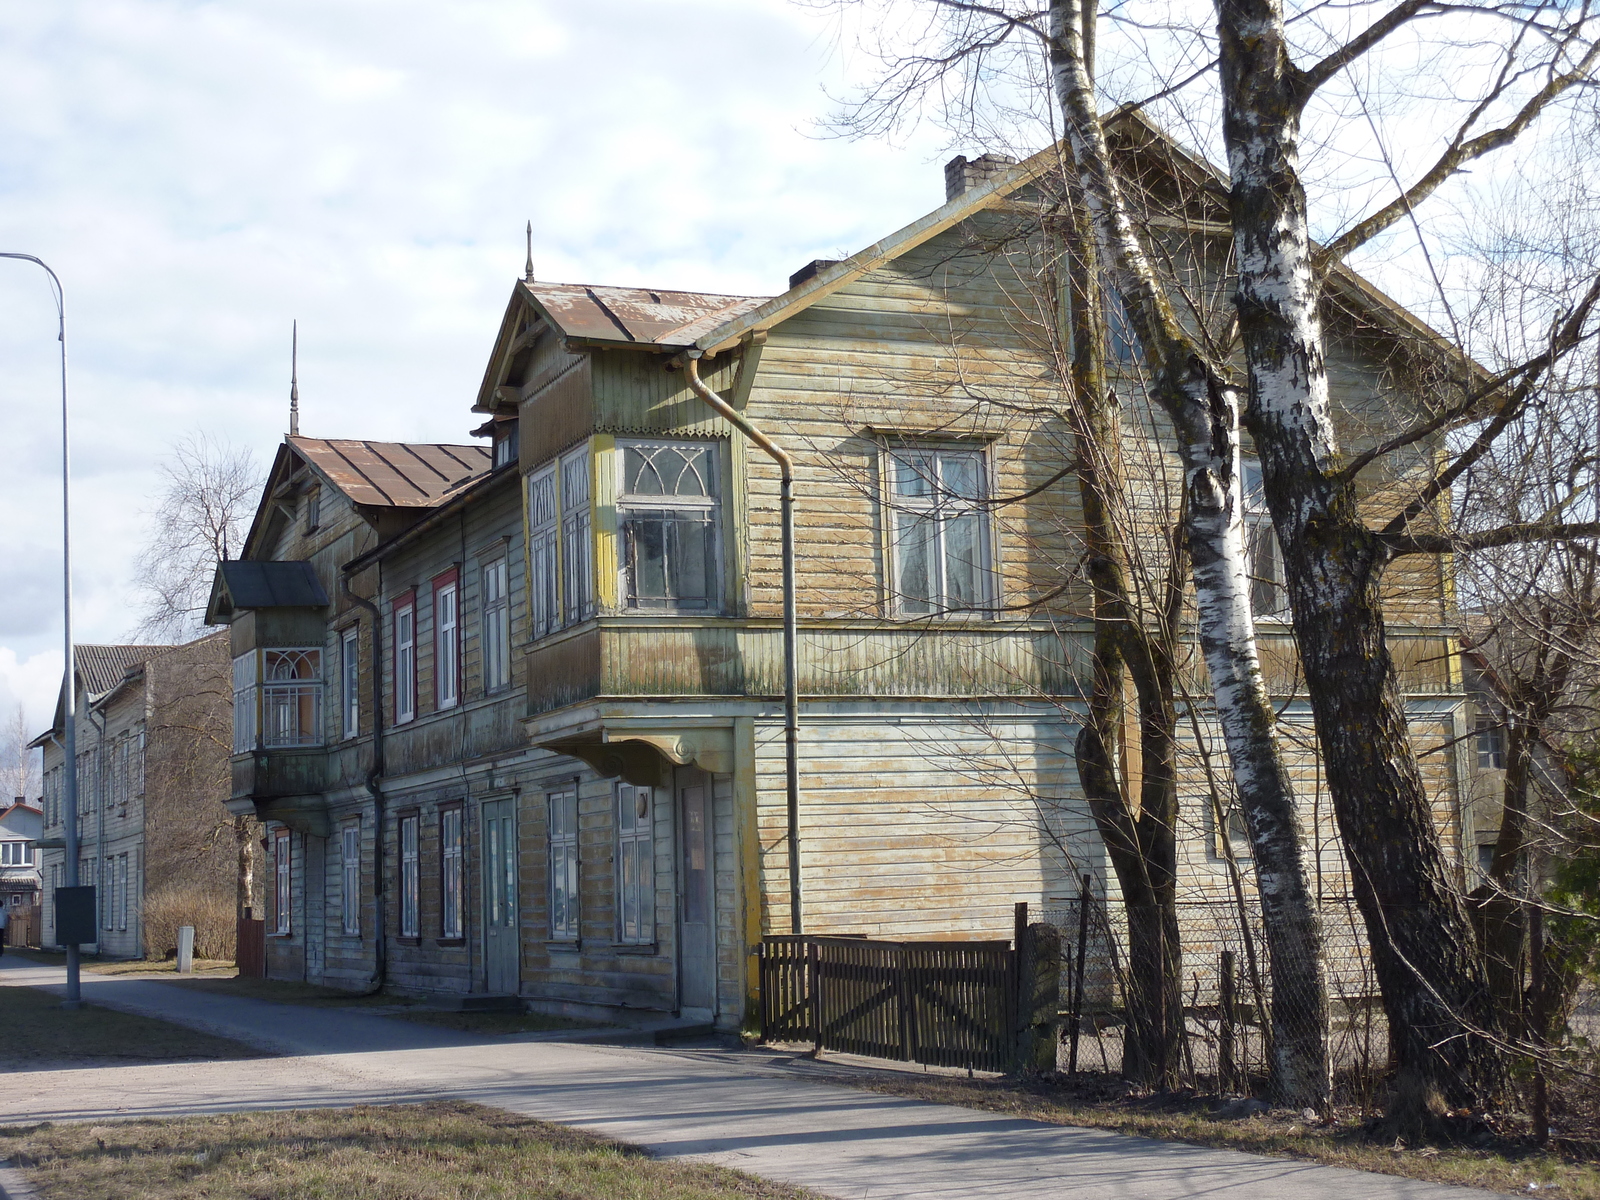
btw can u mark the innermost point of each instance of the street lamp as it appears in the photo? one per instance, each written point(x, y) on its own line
point(69, 739)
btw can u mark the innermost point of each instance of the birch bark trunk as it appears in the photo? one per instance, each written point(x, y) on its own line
point(1204, 411)
point(1424, 951)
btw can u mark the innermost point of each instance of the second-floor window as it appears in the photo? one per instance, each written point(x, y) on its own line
point(350, 681)
point(1268, 597)
point(939, 530)
point(496, 627)
point(277, 699)
point(405, 658)
point(16, 854)
point(667, 525)
point(560, 562)
point(446, 640)
point(1489, 735)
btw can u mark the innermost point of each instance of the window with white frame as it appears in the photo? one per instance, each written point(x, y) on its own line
point(564, 885)
point(350, 878)
point(122, 892)
point(280, 882)
point(1489, 736)
point(16, 854)
point(577, 557)
point(939, 530)
point(410, 876)
point(405, 659)
point(350, 681)
point(450, 878)
point(107, 895)
point(496, 637)
point(1268, 596)
point(446, 640)
point(635, 866)
point(277, 699)
point(544, 553)
point(505, 442)
point(667, 524)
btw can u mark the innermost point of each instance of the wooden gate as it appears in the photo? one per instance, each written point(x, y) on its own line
point(251, 948)
point(950, 1004)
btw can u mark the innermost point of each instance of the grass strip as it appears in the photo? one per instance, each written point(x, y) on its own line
point(38, 1031)
point(433, 1151)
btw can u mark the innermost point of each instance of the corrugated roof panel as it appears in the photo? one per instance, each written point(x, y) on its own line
point(648, 316)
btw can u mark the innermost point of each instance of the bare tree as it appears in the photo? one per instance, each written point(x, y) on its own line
point(19, 766)
point(1516, 63)
point(209, 494)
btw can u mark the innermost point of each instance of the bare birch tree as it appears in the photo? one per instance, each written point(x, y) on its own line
point(19, 766)
point(208, 496)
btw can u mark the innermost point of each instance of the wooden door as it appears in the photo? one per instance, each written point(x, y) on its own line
point(500, 924)
point(697, 924)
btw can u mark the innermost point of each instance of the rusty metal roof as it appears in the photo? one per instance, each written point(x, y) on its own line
point(394, 474)
point(646, 316)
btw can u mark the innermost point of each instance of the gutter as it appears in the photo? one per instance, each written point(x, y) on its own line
point(791, 692)
point(380, 955)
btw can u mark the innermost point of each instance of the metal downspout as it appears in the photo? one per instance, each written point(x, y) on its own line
point(380, 952)
point(791, 690)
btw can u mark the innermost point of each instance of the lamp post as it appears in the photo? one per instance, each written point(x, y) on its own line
point(69, 733)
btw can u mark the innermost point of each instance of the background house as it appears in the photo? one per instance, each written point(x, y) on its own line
point(153, 729)
point(21, 826)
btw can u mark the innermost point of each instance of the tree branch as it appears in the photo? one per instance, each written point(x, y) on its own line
point(1519, 533)
point(1310, 80)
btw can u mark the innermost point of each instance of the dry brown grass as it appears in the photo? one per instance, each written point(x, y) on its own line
point(40, 1033)
point(211, 913)
point(436, 1151)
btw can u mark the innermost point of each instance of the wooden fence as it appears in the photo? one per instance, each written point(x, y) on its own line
point(24, 927)
point(951, 1004)
point(250, 951)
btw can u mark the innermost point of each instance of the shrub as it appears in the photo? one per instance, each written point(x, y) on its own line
point(211, 913)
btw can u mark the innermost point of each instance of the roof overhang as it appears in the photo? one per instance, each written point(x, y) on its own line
point(250, 585)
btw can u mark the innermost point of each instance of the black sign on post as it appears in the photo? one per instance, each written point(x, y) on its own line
point(75, 923)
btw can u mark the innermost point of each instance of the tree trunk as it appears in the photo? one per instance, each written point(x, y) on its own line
point(245, 884)
point(1423, 948)
point(1204, 412)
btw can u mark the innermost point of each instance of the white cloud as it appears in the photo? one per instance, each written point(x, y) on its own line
point(199, 173)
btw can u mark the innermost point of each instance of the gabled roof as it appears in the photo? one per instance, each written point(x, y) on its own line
point(101, 668)
point(393, 474)
point(257, 584)
point(636, 315)
point(24, 806)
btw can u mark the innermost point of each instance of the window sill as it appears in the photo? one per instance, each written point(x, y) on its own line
point(450, 943)
point(408, 941)
point(637, 949)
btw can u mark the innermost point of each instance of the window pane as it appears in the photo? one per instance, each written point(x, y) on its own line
point(959, 476)
point(689, 565)
point(647, 557)
point(963, 561)
point(914, 545)
point(667, 471)
point(913, 474)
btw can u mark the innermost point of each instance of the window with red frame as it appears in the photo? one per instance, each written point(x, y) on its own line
point(446, 640)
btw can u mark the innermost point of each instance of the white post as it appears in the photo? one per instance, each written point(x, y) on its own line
point(185, 949)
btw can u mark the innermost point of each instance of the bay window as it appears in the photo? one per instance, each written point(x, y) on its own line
point(560, 536)
point(277, 700)
point(667, 525)
point(939, 530)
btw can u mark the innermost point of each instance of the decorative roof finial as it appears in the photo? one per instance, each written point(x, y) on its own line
point(527, 274)
point(294, 380)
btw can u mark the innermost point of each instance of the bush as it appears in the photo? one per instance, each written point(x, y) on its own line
point(211, 913)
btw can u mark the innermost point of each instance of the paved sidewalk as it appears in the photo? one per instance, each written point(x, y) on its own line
point(743, 1110)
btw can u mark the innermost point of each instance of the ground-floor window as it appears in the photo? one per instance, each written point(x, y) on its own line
point(280, 882)
point(410, 863)
point(350, 880)
point(450, 873)
point(564, 865)
point(122, 892)
point(635, 877)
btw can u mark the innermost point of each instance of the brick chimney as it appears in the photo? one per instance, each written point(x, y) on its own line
point(962, 174)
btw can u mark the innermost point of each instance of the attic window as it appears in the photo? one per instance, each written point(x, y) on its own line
point(313, 509)
point(506, 443)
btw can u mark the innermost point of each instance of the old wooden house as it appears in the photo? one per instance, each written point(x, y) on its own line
point(513, 714)
point(152, 743)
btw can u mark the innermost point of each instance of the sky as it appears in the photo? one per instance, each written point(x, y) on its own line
point(200, 174)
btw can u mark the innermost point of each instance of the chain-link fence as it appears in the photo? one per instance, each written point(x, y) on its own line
point(1227, 995)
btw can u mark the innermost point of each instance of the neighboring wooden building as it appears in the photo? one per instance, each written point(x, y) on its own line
point(536, 689)
point(152, 740)
point(21, 827)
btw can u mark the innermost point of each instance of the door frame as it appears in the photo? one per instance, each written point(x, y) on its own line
point(680, 777)
point(484, 881)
